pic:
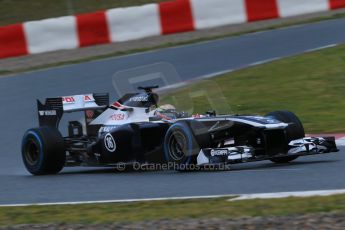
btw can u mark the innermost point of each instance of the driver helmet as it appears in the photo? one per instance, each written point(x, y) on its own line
point(166, 111)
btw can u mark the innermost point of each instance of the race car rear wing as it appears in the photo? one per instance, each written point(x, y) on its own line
point(51, 112)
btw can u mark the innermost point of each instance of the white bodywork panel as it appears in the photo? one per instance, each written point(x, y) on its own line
point(79, 103)
point(114, 117)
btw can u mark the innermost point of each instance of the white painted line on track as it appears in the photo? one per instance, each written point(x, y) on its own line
point(265, 61)
point(117, 201)
point(321, 48)
point(188, 82)
point(237, 197)
point(340, 142)
point(218, 73)
point(288, 194)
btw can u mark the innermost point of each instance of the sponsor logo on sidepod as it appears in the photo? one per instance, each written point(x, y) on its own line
point(109, 143)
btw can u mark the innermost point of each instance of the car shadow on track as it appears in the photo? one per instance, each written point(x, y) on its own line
point(270, 165)
point(238, 167)
point(108, 170)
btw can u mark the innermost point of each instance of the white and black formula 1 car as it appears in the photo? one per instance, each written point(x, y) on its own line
point(136, 130)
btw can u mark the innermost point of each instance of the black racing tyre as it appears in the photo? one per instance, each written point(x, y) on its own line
point(181, 147)
point(43, 151)
point(294, 131)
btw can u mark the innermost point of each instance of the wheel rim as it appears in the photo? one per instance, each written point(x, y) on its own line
point(32, 152)
point(177, 145)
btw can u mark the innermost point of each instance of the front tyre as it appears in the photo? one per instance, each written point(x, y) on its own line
point(43, 151)
point(181, 147)
point(294, 131)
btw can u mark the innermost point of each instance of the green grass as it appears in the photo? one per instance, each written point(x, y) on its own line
point(312, 85)
point(14, 11)
point(178, 209)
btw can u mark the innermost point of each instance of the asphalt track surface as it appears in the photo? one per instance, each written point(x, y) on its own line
point(17, 113)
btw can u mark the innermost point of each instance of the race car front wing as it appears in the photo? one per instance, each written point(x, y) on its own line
point(241, 154)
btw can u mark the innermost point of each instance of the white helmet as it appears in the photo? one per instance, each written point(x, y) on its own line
point(167, 107)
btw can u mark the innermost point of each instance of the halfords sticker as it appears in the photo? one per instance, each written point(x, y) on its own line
point(219, 152)
point(109, 143)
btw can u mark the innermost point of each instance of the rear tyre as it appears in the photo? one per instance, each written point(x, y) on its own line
point(181, 147)
point(294, 131)
point(43, 151)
